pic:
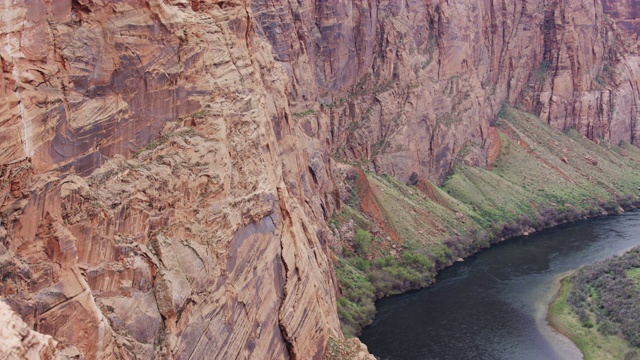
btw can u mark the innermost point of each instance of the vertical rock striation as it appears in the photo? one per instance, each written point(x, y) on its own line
point(410, 85)
point(208, 241)
point(166, 167)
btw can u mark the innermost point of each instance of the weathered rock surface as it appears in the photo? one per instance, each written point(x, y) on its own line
point(165, 168)
point(210, 242)
point(20, 342)
point(410, 85)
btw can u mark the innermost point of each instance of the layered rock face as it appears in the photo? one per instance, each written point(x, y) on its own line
point(165, 165)
point(407, 85)
point(206, 243)
point(20, 342)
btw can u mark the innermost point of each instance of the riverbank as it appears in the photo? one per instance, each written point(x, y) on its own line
point(596, 337)
point(392, 237)
point(494, 304)
point(592, 344)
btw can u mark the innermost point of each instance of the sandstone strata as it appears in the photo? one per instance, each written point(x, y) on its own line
point(20, 342)
point(165, 165)
point(206, 244)
point(409, 85)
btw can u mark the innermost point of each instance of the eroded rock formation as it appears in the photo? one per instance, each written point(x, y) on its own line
point(166, 175)
point(407, 85)
point(207, 242)
point(20, 342)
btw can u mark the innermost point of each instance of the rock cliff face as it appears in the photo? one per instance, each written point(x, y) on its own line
point(166, 175)
point(407, 84)
point(20, 342)
point(206, 242)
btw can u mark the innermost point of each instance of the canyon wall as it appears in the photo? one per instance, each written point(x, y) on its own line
point(208, 240)
point(405, 85)
point(167, 167)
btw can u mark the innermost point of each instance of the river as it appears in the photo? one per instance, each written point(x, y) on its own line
point(493, 305)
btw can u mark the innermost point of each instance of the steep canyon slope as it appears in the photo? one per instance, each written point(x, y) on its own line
point(168, 168)
point(200, 243)
point(407, 84)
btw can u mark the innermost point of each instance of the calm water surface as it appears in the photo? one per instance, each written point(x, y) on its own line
point(493, 305)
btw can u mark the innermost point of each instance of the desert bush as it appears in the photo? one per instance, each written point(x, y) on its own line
point(593, 209)
point(356, 306)
point(546, 218)
point(360, 264)
point(361, 242)
point(417, 262)
point(392, 276)
point(588, 324)
point(442, 255)
point(628, 202)
point(509, 229)
point(354, 315)
point(607, 327)
point(481, 240)
point(632, 355)
point(610, 206)
point(456, 246)
point(570, 214)
point(604, 290)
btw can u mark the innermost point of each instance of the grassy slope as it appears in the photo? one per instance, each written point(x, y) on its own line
point(541, 178)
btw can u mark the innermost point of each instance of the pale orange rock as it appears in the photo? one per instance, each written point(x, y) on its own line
point(196, 248)
point(18, 341)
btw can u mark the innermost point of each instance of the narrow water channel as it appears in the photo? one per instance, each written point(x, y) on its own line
point(493, 305)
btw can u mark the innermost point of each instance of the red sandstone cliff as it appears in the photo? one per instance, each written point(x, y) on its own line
point(407, 84)
point(206, 242)
point(164, 184)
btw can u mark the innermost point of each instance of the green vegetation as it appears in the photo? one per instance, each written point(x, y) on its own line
point(540, 72)
point(403, 234)
point(604, 76)
point(504, 108)
point(604, 294)
point(598, 306)
point(392, 276)
point(304, 113)
point(356, 306)
point(199, 114)
point(184, 133)
point(542, 173)
point(363, 281)
point(429, 50)
point(593, 344)
point(634, 275)
point(362, 240)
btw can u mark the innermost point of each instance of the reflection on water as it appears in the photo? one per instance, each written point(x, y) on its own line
point(492, 306)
